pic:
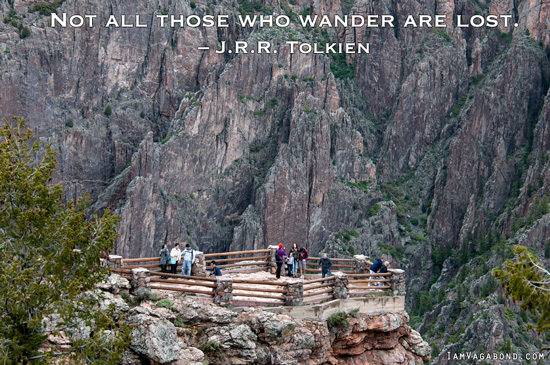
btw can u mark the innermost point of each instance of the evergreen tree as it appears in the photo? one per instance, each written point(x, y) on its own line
point(527, 281)
point(50, 261)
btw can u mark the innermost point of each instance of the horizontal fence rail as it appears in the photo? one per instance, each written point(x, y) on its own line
point(263, 292)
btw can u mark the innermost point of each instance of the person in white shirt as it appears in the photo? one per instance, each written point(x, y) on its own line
point(175, 257)
point(188, 259)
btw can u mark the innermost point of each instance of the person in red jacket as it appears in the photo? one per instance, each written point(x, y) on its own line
point(302, 257)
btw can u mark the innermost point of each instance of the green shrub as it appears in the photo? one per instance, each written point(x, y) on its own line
point(179, 322)
point(25, 32)
point(165, 303)
point(272, 102)
point(142, 115)
point(256, 148)
point(193, 5)
point(108, 110)
point(166, 139)
point(211, 346)
point(45, 8)
point(338, 320)
point(340, 68)
point(374, 210)
point(69, 123)
point(458, 106)
point(414, 221)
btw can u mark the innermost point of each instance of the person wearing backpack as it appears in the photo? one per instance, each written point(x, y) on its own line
point(175, 257)
point(280, 255)
point(188, 259)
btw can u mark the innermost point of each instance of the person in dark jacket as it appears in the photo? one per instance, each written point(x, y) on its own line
point(377, 264)
point(325, 264)
point(279, 259)
point(383, 270)
point(302, 257)
point(215, 270)
point(164, 255)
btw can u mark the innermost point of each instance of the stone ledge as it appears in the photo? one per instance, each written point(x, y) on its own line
point(365, 305)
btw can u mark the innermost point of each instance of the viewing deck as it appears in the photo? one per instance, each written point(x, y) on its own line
point(248, 280)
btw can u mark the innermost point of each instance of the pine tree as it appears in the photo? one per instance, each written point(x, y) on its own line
point(527, 281)
point(50, 261)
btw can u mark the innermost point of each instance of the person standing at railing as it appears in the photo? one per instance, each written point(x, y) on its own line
point(290, 264)
point(175, 257)
point(164, 256)
point(280, 255)
point(294, 252)
point(188, 259)
point(326, 265)
point(302, 257)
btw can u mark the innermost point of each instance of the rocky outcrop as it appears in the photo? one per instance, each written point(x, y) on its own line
point(189, 331)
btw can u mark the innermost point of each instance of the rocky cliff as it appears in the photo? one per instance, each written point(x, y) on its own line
point(432, 150)
point(182, 330)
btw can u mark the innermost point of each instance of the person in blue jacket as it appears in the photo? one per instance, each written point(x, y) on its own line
point(215, 270)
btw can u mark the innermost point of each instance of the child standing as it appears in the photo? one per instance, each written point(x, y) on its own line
point(290, 264)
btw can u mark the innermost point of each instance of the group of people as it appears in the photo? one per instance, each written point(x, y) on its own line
point(295, 259)
point(379, 267)
point(187, 257)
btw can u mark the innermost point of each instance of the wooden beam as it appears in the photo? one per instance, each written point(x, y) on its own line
point(236, 253)
point(239, 259)
point(317, 293)
point(318, 280)
point(183, 282)
point(186, 290)
point(240, 287)
point(249, 295)
point(247, 281)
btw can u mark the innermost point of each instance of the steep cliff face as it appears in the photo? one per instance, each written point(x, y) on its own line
point(437, 144)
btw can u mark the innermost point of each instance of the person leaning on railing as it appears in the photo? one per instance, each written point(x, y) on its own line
point(383, 270)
